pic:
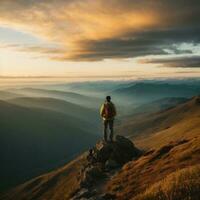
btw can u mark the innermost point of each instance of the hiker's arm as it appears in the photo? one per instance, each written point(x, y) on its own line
point(102, 110)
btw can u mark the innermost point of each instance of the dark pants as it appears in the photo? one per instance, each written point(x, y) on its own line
point(108, 123)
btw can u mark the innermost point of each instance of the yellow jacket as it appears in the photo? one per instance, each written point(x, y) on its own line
point(103, 111)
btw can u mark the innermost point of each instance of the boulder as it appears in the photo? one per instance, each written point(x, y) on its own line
point(101, 161)
point(111, 164)
point(121, 151)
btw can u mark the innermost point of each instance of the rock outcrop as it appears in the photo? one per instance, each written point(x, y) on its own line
point(102, 160)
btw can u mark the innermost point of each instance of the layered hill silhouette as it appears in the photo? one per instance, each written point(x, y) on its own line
point(167, 166)
point(146, 92)
point(34, 140)
point(83, 100)
point(58, 105)
point(5, 95)
point(154, 106)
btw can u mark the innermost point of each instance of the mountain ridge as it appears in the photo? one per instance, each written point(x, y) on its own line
point(76, 98)
point(57, 105)
point(179, 153)
point(146, 92)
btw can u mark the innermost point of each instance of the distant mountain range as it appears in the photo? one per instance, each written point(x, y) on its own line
point(91, 87)
point(5, 95)
point(79, 112)
point(145, 92)
point(155, 106)
point(75, 98)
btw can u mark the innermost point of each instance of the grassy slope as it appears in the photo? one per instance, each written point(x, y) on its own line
point(56, 185)
point(182, 184)
point(171, 149)
point(142, 127)
point(140, 175)
point(179, 122)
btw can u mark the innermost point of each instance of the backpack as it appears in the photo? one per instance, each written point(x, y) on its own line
point(109, 110)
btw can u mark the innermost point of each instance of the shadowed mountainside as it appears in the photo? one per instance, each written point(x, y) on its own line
point(79, 175)
point(59, 184)
point(35, 140)
point(58, 105)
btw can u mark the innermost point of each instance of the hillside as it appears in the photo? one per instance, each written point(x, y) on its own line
point(154, 106)
point(146, 92)
point(129, 182)
point(158, 128)
point(141, 175)
point(35, 140)
point(91, 87)
point(73, 97)
point(174, 155)
point(5, 95)
point(75, 176)
point(58, 105)
point(59, 184)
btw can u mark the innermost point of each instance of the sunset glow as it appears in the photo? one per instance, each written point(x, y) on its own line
point(99, 38)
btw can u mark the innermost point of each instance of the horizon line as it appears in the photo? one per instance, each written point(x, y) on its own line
point(93, 76)
point(109, 76)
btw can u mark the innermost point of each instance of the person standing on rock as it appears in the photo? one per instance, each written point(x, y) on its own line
point(108, 113)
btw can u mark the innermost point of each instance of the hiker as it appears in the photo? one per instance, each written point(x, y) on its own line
point(108, 113)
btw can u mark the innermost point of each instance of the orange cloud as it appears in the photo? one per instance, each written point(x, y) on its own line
point(81, 28)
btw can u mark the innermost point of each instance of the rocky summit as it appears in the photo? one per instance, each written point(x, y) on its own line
point(103, 160)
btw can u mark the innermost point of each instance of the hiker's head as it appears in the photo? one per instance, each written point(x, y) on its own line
point(108, 98)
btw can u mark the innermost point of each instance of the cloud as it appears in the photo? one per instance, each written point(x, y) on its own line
point(44, 50)
point(183, 62)
point(95, 30)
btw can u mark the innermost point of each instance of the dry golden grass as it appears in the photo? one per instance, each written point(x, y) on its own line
point(136, 176)
point(183, 184)
point(180, 124)
point(187, 128)
point(156, 130)
point(58, 184)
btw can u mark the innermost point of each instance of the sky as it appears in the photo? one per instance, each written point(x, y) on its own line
point(80, 38)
